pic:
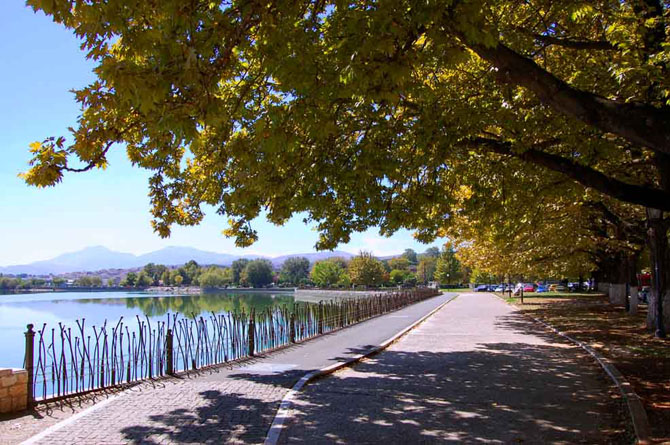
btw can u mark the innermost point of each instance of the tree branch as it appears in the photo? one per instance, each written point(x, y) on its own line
point(587, 176)
point(570, 43)
point(638, 123)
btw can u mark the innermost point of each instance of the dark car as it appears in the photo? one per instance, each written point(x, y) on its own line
point(482, 288)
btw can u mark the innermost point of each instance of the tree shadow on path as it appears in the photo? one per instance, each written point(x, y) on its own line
point(223, 418)
point(502, 392)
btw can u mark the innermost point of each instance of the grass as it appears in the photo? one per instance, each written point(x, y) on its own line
point(622, 338)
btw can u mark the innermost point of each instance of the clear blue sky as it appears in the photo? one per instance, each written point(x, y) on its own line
point(42, 62)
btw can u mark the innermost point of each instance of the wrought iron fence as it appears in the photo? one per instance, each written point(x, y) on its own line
point(63, 361)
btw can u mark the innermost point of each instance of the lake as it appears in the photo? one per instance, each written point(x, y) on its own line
point(17, 310)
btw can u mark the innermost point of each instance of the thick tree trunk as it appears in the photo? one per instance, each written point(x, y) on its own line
point(617, 294)
point(613, 274)
point(632, 284)
point(634, 300)
point(658, 316)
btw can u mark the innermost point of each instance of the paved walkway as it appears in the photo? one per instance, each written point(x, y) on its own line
point(229, 405)
point(476, 371)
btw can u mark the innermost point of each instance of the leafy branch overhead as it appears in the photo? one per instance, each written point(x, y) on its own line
point(366, 114)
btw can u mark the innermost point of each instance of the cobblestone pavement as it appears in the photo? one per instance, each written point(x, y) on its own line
point(198, 410)
point(476, 371)
point(224, 405)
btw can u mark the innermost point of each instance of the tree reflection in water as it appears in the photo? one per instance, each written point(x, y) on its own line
point(155, 306)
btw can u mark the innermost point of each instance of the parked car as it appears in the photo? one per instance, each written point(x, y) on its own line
point(499, 288)
point(482, 288)
point(541, 288)
point(557, 288)
point(527, 287)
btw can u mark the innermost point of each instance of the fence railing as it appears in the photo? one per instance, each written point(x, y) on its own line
point(63, 361)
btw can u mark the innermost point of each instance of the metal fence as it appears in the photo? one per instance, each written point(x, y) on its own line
point(62, 361)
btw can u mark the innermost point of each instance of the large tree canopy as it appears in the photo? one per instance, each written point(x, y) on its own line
point(365, 113)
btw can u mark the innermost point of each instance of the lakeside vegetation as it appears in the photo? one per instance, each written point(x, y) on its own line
point(408, 270)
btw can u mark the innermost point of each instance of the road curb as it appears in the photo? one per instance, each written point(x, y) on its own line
point(284, 411)
point(638, 415)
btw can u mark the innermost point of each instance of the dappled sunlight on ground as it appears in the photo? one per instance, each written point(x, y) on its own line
point(465, 381)
point(622, 338)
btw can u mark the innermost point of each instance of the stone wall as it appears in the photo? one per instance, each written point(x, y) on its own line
point(13, 390)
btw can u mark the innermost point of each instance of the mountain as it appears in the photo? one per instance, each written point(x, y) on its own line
point(88, 259)
point(180, 255)
point(96, 258)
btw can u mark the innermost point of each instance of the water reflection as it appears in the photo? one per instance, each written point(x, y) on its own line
point(197, 304)
point(16, 311)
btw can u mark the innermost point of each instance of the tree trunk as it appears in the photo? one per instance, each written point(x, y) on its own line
point(632, 282)
point(658, 316)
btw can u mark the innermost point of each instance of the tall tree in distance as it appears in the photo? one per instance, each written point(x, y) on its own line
point(411, 256)
point(329, 273)
point(257, 273)
point(366, 270)
point(237, 267)
point(425, 270)
point(294, 270)
point(448, 268)
point(433, 252)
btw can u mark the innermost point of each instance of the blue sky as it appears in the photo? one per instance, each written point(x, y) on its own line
point(42, 62)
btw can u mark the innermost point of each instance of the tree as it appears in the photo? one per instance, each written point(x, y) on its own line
point(237, 267)
point(129, 280)
point(410, 256)
point(433, 252)
point(327, 273)
point(89, 281)
point(425, 270)
point(410, 280)
point(215, 277)
point(295, 270)
point(155, 272)
point(174, 273)
point(257, 273)
point(448, 268)
point(399, 263)
point(165, 277)
point(355, 114)
point(144, 280)
point(481, 276)
point(366, 270)
point(398, 276)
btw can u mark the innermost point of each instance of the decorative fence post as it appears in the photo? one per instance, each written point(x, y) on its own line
point(291, 328)
point(169, 352)
point(320, 318)
point(29, 363)
point(252, 332)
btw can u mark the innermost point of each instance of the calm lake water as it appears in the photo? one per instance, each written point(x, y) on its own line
point(17, 310)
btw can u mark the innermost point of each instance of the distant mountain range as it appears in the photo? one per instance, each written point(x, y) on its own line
point(97, 258)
